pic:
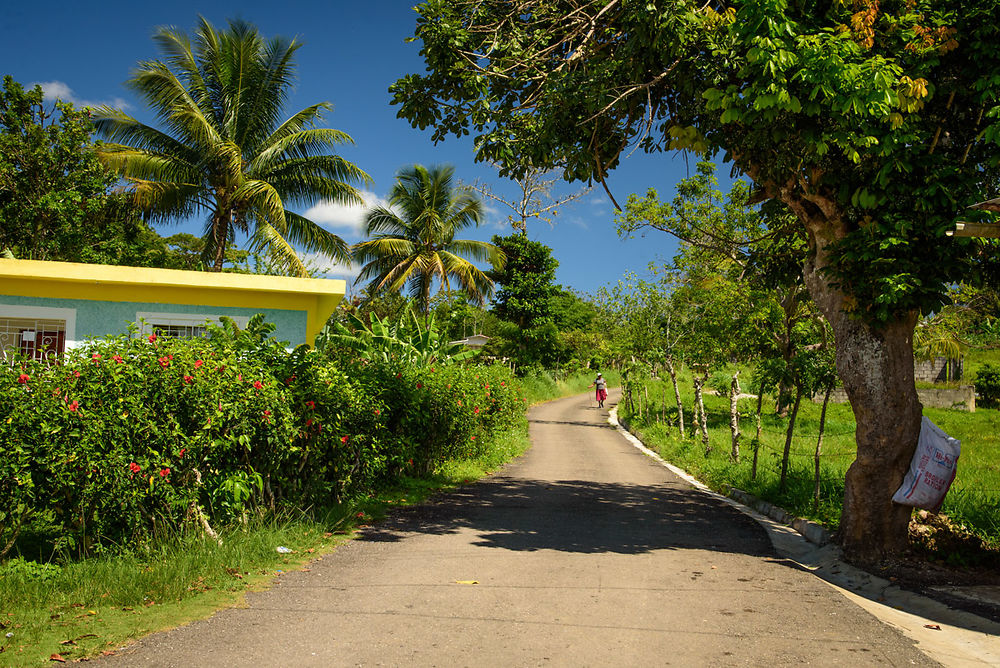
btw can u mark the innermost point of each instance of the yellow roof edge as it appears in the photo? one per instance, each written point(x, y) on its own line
point(75, 272)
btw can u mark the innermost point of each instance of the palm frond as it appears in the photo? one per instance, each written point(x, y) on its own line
point(385, 248)
point(224, 142)
point(304, 232)
point(480, 251)
point(267, 237)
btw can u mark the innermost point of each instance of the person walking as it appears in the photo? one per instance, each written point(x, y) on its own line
point(602, 389)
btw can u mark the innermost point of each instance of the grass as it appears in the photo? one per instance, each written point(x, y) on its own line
point(546, 386)
point(84, 608)
point(975, 359)
point(81, 609)
point(974, 499)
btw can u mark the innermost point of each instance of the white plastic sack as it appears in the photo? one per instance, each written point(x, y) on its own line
point(932, 468)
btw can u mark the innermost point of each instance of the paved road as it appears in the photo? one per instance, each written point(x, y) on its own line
point(586, 552)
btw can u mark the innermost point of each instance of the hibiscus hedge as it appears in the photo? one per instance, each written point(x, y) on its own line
point(128, 436)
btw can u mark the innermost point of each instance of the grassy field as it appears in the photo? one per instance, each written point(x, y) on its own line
point(82, 609)
point(547, 386)
point(973, 500)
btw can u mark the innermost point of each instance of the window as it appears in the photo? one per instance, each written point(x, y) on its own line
point(37, 332)
point(181, 325)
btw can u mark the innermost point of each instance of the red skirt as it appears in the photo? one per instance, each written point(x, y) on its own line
point(602, 395)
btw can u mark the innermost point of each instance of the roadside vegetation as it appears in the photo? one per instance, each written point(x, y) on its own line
point(158, 482)
point(971, 503)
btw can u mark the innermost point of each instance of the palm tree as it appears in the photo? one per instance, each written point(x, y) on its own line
point(416, 245)
point(224, 150)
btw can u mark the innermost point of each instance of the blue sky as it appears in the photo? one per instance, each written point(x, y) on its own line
point(353, 51)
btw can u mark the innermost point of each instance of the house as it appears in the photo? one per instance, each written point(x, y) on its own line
point(48, 307)
point(476, 341)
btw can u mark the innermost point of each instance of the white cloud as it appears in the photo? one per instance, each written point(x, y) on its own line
point(493, 217)
point(599, 204)
point(57, 90)
point(335, 215)
point(328, 268)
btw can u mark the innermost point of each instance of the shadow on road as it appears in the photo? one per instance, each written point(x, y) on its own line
point(576, 423)
point(582, 517)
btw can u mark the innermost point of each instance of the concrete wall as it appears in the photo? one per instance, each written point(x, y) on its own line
point(99, 318)
point(938, 370)
point(962, 398)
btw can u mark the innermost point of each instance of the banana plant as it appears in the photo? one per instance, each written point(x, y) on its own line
point(405, 340)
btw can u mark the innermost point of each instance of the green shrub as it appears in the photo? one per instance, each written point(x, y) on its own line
point(987, 384)
point(127, 437)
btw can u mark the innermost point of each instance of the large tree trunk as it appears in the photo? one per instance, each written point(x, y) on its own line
point(875, 365)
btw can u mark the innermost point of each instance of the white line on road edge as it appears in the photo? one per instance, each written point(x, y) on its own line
point(964, 639)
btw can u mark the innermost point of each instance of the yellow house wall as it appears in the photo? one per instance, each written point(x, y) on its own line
point(317, 298)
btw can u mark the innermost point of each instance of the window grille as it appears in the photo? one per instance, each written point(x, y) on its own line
point(180, 325)
point(36, 338)
point(178, 331)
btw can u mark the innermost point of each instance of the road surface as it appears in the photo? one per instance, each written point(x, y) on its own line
point(584, 552)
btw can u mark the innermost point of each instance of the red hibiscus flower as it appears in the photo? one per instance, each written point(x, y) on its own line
point(152, 338)
point(343, 439)
point(164, 473)
point(198, 363)
point(181, 453)
point(73, 406)
point(23, 378)
point(257, 385)
point(96, 357)
point(311, 405)
point(309, 422)
point(134, 468)
point(378, 412)
point(188, 379)
point(419, 385)
point(164, 362)
point(118, 359)
point(476, 410)
point(76, 374)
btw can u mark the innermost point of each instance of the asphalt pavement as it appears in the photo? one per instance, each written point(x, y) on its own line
point(583, 552)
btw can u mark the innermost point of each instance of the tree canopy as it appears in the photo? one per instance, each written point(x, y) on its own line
point(56, 198)
point(875, 123)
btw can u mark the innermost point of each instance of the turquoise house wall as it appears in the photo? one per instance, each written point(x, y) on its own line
point(99, 318)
